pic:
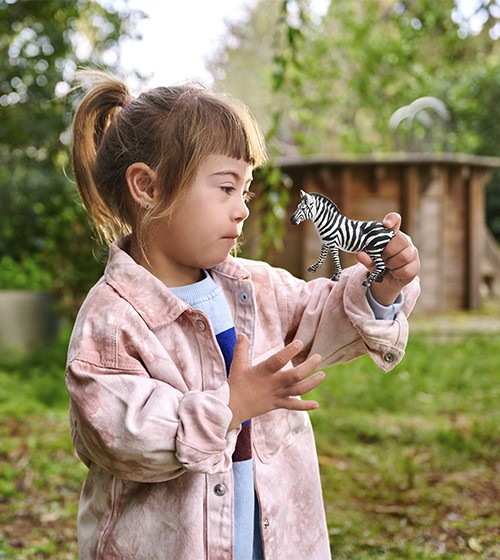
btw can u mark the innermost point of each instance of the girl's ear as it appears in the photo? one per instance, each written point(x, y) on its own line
point(141, 182)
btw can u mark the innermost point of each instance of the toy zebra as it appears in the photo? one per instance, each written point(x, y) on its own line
point(338, 232)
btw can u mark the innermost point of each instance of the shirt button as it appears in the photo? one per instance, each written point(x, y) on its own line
point(266, 523)
point(201, 324)
point(243, 297)
point(220, 489)
point(389, 357)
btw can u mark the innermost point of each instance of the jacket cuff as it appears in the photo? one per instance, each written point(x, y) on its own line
point(203, 441)
point(385, 312)
point(385, 340)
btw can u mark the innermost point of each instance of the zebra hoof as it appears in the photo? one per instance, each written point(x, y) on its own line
point(335, 278)
point(367, 283)
point(312, 269)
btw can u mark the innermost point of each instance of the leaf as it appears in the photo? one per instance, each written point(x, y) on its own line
point(474, 545)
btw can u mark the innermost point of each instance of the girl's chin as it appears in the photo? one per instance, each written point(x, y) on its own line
point(220, 254)
point(216, 260)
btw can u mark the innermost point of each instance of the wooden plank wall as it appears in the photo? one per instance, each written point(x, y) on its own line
point(442, 204)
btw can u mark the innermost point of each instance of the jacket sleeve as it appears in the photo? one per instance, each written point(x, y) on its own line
point(334, 319)
point(138, 427)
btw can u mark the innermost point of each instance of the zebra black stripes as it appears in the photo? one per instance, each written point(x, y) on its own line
point(339, 232)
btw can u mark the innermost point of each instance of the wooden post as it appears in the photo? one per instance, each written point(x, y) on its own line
point(475, 237)
point(410, 201)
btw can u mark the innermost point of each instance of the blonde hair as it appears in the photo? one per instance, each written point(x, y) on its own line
point(170, 129)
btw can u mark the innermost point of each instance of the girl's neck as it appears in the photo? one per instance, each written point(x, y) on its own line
point(171, 276)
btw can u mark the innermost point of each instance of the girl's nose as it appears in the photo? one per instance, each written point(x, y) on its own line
point(241, 211)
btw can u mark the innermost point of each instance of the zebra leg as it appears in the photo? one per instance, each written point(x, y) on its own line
point(378, 274)
point(338, 267)
point(380, 277)
point(321, 259)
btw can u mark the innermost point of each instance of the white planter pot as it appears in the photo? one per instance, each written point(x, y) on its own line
point(27, 319)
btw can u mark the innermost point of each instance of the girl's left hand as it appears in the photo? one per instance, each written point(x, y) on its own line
point(401, 259)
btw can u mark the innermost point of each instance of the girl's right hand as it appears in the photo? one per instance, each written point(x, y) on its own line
point(267, 386)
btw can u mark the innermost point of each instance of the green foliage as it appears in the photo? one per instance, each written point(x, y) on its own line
point(41, 219)
point(28, 275)
point(367, 61)
point(284, 21)
point(287, 76)
point(477, 117)
point(268, 217)
point(40, 375)
point(269, 220)
point(341, 77)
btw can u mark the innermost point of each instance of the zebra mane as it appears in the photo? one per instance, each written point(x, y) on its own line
point(326, 200)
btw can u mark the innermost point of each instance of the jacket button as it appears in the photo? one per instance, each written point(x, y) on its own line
point(201, 324)
point(389, 357)
point(220, 489)
point(243, 297)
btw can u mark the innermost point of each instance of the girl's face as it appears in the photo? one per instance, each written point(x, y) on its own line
point(206, 226)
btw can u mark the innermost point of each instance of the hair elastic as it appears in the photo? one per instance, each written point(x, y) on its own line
point(127, 101)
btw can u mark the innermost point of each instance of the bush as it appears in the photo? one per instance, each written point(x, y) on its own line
point(45, 237)
point(26, 275)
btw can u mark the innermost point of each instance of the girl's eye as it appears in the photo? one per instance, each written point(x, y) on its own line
point(247, 195)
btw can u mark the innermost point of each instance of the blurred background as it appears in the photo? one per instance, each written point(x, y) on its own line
point(380, 104)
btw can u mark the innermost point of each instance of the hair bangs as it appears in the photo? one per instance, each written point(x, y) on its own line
point(232, 131)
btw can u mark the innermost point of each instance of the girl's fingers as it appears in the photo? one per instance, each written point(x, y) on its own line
point(280, 359)
point(365, 260)
point(299, 404)
point(392, 221)
point(403, 254)
point(240, 356)
point(302, 371)
point(306, 385)
point(396, 247)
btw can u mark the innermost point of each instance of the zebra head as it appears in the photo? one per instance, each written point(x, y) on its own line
point(305, 210)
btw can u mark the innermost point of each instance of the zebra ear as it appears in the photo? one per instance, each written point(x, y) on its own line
point(306, 197)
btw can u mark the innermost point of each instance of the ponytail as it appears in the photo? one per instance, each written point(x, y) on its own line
point(170, 129)
point(94, 115)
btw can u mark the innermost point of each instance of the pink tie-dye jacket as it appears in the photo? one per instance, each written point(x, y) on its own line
point(149, 409)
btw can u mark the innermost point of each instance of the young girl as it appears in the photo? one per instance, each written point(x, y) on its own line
point(186, 364)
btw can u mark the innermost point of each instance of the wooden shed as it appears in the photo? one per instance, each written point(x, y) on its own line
point(441, 198)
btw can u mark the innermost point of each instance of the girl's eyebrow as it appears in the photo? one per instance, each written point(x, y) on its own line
point(234, 174)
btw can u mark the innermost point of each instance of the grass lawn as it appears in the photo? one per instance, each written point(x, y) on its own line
point(410, 460)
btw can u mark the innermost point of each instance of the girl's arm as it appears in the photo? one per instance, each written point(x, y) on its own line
point(143, 429)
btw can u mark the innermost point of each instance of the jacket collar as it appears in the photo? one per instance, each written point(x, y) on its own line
point(152, 300)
